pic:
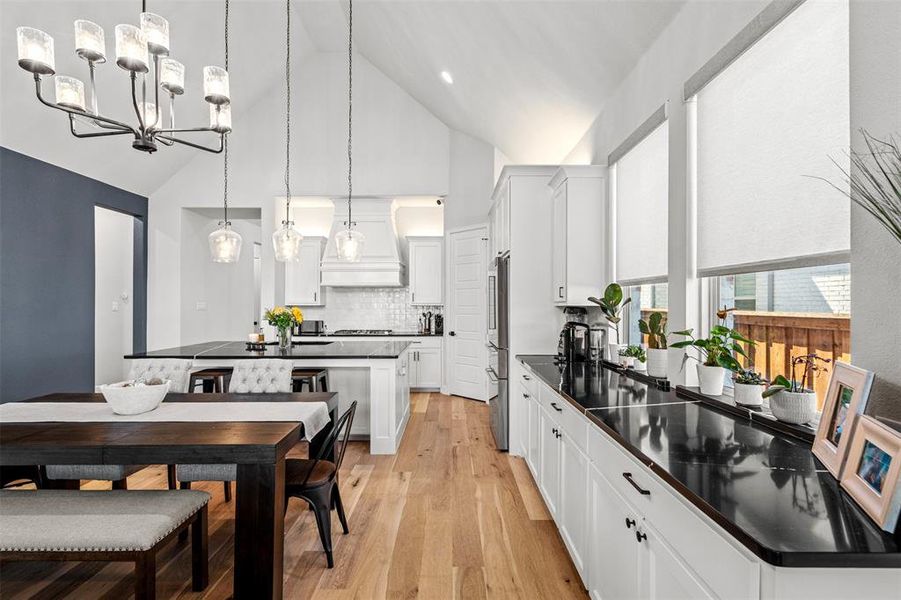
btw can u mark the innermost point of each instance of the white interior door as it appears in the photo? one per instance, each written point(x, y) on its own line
point(113, 289)
point(467, 309)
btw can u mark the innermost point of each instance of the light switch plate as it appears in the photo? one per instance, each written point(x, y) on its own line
point(201, 306)
point(115, 306)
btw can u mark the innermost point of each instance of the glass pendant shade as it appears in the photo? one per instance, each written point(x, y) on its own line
point(89, 41)
point(131, 48)
point(225, 244)
point(286, 242)
point(350, 245)
point(215, 85)
point(172, 76)
point(69, 92)
point(156, 32)
point(221, 117)
point(35, 51)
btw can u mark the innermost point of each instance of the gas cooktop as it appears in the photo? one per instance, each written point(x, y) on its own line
point(362, 332)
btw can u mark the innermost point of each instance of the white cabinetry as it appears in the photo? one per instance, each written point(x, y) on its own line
point(303, 278)
point(549, 482)
point(613, 551)
point(426, 268)
point(573, 501)
point(426, 363)
point(579, 234)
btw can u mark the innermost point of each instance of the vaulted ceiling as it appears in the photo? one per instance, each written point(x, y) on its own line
point(529, 76)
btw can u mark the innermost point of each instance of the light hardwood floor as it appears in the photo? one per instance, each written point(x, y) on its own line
point(447, 517)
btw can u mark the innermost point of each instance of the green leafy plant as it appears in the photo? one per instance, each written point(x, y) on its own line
point(636, 352)
point(718, 349)
point(655, 329)
point(811, 364)
point(612, 304)
point(749, 377)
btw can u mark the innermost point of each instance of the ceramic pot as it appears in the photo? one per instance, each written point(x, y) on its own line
point(748, 394)
point(794, 407)
point(613, 353)
point(711, 379)
point(642, 367)
point(627, 361)
point(657, 362)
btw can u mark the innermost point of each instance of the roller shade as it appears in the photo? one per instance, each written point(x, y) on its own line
point(641, 182)
point(766, 123)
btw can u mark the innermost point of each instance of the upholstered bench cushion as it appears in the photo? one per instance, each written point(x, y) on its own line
point(71, 520)
point(98, 472)
point(261, 376)
point(206, 472)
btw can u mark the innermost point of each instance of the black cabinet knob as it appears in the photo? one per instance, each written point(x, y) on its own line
point(630, 523)
point(640, 536)
point(452, 333)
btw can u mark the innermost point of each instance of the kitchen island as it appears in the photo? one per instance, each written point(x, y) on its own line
point(374, 373)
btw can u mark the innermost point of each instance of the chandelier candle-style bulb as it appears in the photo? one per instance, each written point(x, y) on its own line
point(286, 242)
point(148, 112)
point(89, 41)
point(35, 51)
point(350, 245)
point(131, 48)
point(172, 76)
point(221, 117)
point(69, 92)
point(156, 32)
point(225, 244)
point(215, 85)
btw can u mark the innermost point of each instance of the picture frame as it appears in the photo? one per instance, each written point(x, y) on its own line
point(846, 398)
point(871, 472)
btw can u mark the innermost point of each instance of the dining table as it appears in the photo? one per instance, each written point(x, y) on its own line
point(258, 448)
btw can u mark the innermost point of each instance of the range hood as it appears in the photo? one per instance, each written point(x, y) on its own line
point(382, 263)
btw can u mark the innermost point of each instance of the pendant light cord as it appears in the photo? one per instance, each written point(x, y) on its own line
point(288, 112)
point(225, 135)
point(350, 108)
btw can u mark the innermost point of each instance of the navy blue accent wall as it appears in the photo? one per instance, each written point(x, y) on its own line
point(47, 275)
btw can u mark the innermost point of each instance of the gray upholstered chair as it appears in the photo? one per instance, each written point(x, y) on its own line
point(252, 376)
point(174, 369)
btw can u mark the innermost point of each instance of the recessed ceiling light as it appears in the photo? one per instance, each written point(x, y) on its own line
point(447, 77)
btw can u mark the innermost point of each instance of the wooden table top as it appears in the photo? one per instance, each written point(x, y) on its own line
point(158, 442)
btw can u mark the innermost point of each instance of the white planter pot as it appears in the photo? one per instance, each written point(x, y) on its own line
point(711, 379)
point(657, 362)
point(747, 394)
point(627, 361)
point(794, 407)
point(613, 353)
point(639, 366)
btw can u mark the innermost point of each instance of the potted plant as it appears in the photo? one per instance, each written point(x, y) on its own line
point(633, 357)
point(748, 390)
point(284, 319)
point(717, 351)
point(611, 305)
point(790, 399)
point(655, 329)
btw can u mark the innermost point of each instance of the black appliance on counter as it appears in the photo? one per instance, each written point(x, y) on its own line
point(574, 343)
point(309, 327)
point(439, 324)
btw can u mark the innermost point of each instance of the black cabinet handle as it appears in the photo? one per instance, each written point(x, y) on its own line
point(524, 395)
point(554, 431)
point(630, 523)
point(560, 292)
point(640, 536)
point(527, 378)
point(642, 491)
point(557, 408)
point(452, 333)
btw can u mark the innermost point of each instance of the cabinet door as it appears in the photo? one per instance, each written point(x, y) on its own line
point(428, 368)
point(550, 462)
point(533, 452)
point(614, 555)
point(665, 574)
point(492, 236)
point(302, 278)
point(426, 272)
point(559, 242)
point(573, 505)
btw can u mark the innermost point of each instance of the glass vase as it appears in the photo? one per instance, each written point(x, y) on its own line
point(284, 338)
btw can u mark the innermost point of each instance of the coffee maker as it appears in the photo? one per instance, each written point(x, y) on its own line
point(574, 343)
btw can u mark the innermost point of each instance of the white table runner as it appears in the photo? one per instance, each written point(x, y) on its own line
point(313, 415)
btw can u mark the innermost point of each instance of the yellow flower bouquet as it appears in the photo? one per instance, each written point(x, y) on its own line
point(284, 319)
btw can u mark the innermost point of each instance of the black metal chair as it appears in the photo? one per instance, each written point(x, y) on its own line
point(316, 481)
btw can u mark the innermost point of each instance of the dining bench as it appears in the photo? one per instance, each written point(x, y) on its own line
point(114, 526)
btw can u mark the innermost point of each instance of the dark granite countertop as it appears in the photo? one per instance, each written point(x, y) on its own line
point(763, 487)
point(375, 335)
point(297, 351)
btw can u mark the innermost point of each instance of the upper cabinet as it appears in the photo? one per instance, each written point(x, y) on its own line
point(426, 267)
point(578, 234)
point(303, 278)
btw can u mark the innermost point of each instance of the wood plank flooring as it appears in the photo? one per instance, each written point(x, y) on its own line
point(447, 517)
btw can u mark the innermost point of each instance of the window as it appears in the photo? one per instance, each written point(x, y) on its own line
point(646, 299)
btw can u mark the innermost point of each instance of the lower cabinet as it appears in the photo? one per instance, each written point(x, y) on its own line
point(426, 364)
point(613, 553)
point(549, 482)
point(573, 520)
point(533, 443)
point(664, 575)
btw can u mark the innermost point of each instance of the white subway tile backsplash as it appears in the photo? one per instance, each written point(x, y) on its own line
point(369, 308)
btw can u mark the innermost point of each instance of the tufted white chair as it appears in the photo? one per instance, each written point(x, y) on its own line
point(252, 376)
point(261, 376)
point(177, 370)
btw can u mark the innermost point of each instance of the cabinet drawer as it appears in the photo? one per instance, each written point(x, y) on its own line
point(528, 380)
point(574, 423)
point(551, 401)
point(728, 570)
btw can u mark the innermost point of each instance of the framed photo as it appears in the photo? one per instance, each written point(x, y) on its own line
point(846, 397)
point(871, 473)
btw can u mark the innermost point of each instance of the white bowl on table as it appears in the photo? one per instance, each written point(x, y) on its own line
point(130, 398)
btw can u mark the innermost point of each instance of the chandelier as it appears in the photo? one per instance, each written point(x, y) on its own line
point(138, 50)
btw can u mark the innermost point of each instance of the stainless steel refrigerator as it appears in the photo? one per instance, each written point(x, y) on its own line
point(499, 346)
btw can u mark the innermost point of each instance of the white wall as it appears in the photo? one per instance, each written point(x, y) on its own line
point(472, 177)
point(217, 300)
point(875, 256)
point(113, 278)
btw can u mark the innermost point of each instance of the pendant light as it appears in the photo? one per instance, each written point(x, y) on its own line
point(225, 244)
point(349, 242)
point(286, 240)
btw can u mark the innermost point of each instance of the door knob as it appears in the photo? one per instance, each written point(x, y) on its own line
point(630, 523)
